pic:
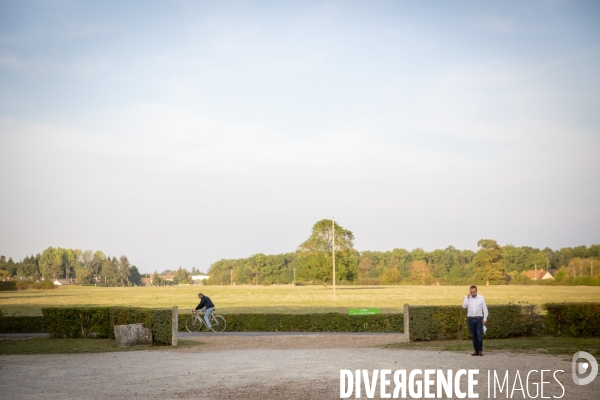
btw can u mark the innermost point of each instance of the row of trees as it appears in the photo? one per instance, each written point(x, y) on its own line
point(86, 266)
point(312, 262)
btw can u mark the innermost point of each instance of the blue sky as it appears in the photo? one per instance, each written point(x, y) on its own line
point(180, 133)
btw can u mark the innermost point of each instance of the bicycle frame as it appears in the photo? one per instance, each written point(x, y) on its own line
point(196, 321)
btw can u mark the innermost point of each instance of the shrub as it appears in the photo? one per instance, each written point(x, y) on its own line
point(368, 281)
point(573, 319)
point(162, 327)
point(99, 322)
point(332, 322)
point(23, 285)
point(74, 322)
point(158, 320)
point(44, 285)
point(450, 322)
point(21, 324)
point(8, 285)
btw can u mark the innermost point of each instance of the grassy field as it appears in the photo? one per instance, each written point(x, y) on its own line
point(284, 299)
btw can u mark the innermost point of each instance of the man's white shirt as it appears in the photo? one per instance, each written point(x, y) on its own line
point(475, 306)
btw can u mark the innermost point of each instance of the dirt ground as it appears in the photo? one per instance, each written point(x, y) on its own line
point(249, 368)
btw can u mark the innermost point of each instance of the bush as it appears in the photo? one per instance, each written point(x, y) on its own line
point(450, 322)
point(573, 319)
point(21, 324)
point(368, 281)
point(8, 285)
point(74, 322)
point(99, 322)
point(44, 285)
point(162, 333)
point(23, 285)
point(309, 323)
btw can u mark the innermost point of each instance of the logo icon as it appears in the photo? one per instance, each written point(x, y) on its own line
point(583, 367)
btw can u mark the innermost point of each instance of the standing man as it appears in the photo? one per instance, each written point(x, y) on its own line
point(477, 314)
point(206, 307)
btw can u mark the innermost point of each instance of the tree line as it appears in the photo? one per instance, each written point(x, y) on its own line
point(312, 263)
point(86, 266)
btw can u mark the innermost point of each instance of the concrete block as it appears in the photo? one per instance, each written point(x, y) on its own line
point(133, 335)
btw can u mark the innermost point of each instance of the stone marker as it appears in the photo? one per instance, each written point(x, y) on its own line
point(133, 335)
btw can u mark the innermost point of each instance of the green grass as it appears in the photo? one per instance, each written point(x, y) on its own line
point(74, 346)
point(285, 299)
point(535, 345)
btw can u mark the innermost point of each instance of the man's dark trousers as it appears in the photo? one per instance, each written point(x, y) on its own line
point(476, 328)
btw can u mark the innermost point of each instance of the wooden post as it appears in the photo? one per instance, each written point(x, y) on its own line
point(406, 324)
point(174, 325)
point(333, 253)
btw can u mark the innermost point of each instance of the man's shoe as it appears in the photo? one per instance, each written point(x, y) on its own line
point(480, 353)
point(475, 354)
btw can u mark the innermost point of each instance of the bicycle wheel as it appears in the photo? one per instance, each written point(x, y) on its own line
point(193, 324)
point(218, 323)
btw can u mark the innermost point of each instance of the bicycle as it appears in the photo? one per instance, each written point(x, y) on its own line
point(195, 321)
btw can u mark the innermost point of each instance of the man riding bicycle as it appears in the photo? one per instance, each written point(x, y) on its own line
point(206, 307)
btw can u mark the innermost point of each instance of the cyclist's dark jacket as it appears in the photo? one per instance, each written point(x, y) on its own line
point(205, 302)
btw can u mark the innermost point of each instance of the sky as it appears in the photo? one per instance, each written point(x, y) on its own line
point(180, 133)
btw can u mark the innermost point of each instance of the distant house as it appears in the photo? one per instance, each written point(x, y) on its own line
point(199, 279)
point(64, 282)
point(167, 277)
point(539, 275)
point(146, 281)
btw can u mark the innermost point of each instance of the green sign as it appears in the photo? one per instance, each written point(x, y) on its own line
point(363, 311)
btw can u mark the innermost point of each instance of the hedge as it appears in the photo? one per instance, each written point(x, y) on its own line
point(450, 322)
point(332, 322)
point(426, 322)
point(8, 285)
point(23, 285)
point(99, 322)
point(45, 285)
point(573, 319)
point(21, 324)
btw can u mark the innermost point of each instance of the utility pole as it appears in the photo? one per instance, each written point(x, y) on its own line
point(333, 253)
point(231, 277)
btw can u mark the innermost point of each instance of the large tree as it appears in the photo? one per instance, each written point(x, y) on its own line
point(135, 277)
point(421, 272)
point(87, 257)
point(98, 261)
point(489, 261)
point(123, 267)
point(52, 263)
point(316, 253)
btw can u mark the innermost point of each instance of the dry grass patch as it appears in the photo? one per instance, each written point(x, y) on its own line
point(285, 299)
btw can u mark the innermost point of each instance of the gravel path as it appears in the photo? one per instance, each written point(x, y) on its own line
point(258, 367)
point(292, 341)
